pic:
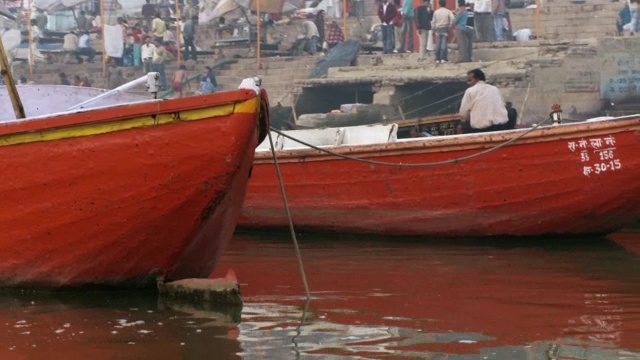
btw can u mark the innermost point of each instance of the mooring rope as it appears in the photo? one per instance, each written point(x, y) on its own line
point(373, 162)
point(288, 211)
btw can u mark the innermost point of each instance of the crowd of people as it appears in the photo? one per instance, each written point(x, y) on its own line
point(485, 20)
point(149, 43)
point(316, 33)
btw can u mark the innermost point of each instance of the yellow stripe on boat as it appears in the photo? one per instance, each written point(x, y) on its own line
point(248, 106)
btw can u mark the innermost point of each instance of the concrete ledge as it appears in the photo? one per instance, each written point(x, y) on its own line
point(202, 293)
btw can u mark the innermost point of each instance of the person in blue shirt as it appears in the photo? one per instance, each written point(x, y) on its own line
point(464, 33)
point(406, 33)
point(205, 86)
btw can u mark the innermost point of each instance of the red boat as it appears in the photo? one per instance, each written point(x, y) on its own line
point(579, 178)
point(125, 195)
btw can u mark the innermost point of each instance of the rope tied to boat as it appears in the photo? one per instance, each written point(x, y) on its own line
point(383, 163)
point(288, 211)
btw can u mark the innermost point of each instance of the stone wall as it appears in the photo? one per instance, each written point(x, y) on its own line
point(586, 77)
point(582, 76)
point(562, 20)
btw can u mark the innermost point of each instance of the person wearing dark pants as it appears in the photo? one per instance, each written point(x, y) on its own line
point(189, 35)
point(386, 13)
point(483, 20)
point(406, 33)
point(464, 34)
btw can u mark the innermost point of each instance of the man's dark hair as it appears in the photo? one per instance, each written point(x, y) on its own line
point(477, 74)
point(462, 3)
point(443, 3)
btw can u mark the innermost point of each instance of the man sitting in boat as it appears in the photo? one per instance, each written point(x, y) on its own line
point(483, 108)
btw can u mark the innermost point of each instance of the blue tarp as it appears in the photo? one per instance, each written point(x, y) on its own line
point(343, 54)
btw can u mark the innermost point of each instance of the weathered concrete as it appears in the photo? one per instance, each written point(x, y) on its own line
point(202, 293)
point(582, 76)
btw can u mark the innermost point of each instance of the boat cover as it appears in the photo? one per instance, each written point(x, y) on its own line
point(343, 54)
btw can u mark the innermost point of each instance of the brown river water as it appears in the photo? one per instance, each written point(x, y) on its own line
point(372, 297)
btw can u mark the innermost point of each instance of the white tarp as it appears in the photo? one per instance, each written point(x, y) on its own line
point(226, 6)
point(113, 41)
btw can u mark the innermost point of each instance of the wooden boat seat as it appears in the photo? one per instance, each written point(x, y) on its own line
point(369, 134)
point(328, 137)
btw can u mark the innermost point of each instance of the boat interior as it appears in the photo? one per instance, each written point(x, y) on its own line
point(44, 100)
point(331, 137)
point(364, 135)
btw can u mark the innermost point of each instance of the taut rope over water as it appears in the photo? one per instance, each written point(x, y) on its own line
point(291, 228)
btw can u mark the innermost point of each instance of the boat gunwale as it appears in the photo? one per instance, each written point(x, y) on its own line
point(118, 112)
point(449, 143)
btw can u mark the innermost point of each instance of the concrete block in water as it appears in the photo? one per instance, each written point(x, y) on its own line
point(202, 293)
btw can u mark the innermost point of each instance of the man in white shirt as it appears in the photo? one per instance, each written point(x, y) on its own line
point(146, 51)
point(483, 108)
point(84, 47)
point(70, 45)
point(310, 32)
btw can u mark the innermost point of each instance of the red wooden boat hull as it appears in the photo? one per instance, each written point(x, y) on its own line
point(540, 184)
point(124, 195)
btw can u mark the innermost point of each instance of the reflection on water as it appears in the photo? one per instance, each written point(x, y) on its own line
point(372, 298)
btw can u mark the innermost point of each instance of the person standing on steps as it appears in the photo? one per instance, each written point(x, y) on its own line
point(406, 33)
point(178, 78)
point(189, 36)
point(147, 50)
point(464, 33)
point(148, 12)
point(158, 60)
point(498, 11)
point(423, 17)
point(441, 23)
point(158, 28)
point(386, 13)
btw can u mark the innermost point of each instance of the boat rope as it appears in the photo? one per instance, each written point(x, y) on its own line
point(288, 211)
point(435, 163)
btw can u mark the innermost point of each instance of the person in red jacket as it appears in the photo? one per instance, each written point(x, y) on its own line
point(387, 12)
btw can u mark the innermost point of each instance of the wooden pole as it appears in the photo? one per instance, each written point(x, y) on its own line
point(11, 85)
point(104, 49)
point(538, 34)
point(344, 19)
point(178, 34)
point(258, 25)
point(30, 40)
